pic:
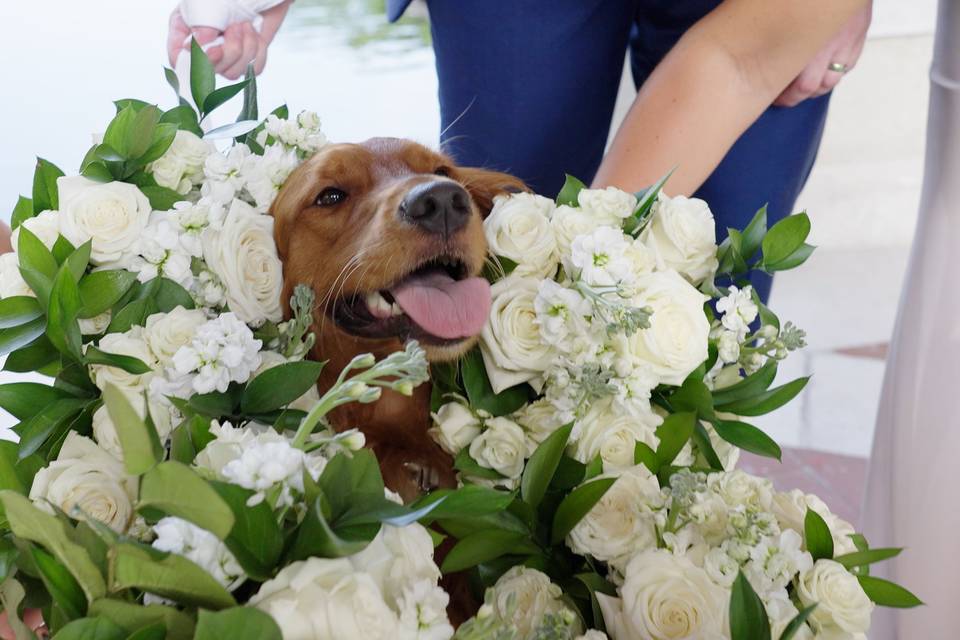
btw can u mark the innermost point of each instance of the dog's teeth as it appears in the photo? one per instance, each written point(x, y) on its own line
point(395, 310)
point(378, 305)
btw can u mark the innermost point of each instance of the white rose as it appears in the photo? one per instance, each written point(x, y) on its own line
point(569, 222)
point(740, 488)
point(11, 282)
point(642, 260)
point(45, 225)
point(518, 228)
point(533, 596)
point(676, 342)
point(129, 343)
point(181, 165)
point(96, 325)
point(683, 237)
point(269, 360)
point(87, 478)
point(500, 447)
point(112, 215)
point(609, 204)
point(790, 509)
point(454, 427)
point(613, 435)
point(243, 255)
point(165, 333)
point(325, 599)
point(538, 419)
point(593, 634)
point(666, 596)
point(842, 606)
point(622, 523)
point(398, 558)
point(510, 341)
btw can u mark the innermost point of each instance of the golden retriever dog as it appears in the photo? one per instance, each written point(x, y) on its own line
point(389, 234)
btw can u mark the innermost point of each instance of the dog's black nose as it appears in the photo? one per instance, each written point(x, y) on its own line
point(440, 207)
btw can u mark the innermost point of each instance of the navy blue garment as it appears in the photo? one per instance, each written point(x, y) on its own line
point(529, 86)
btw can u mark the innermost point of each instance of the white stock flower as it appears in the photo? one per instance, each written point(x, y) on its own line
point(790, 509)
point(738, 310)
point(501, 447)
point(518, 228)
point(728, 347)
point(175, 535)
point(265, 465)
point(271, 359)
point(721, 568)
point(223, 350)
point(423, 612)
point(532, 595)
point(454, 427)
point(775, 561)
point(568, 223)
point(161, 254)
point(600, 258)
point(593, 634)
point(683, 237)
point(223, 177)
point(165, 333)
point(228, 443)
point(665, 596)
point(181, 165)
point(611, 434)
point(190, 219)
point(623, 522)
point(397, 558)
point(781, 611)
point(642, 259)
point(264, 175)
point(510, 341)
point(45, 225)
point(676, 342)
point(326, 599)
point(87, 478)
point(843, 609)
point(561, 312)
point(11, 282)
point(242, 253)
point(113, 215)
point(610, 204)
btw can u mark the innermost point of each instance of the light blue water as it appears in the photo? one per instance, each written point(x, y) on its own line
point(64, 61)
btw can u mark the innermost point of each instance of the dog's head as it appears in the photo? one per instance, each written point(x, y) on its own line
point(389, 235)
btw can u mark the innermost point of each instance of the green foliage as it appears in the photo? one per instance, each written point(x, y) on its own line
point(481, 394)
point(817, 536)
point(570, 191)
point(542, 466)
point(888, 594)
point(576, 505)
point(141, 445)
point(238, 623)
point(748, 618)
point(279, 386)
point(46, 196)
point(174, 489)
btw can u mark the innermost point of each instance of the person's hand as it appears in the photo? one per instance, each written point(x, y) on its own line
point(817, 78)
point(242, 44)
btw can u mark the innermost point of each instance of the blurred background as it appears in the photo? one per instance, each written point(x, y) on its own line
point(64, 62)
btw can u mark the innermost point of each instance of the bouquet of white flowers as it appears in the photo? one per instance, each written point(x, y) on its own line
point(178, 478)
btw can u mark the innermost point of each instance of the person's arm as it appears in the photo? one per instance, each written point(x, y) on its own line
point(722, 74)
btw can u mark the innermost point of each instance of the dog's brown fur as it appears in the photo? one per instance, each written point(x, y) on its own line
point(363, 245)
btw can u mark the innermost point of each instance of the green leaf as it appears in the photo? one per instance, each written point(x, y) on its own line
point(255, 539)
point(45, 193)
point(675, 431)
point(753, 385)
point(61, 586)
point(794, 626)
point(218, 96)
point(24, 399)
point(316, 537)
point(163, 137)
point(576, 505)
point(767, 401)
point(116, 139)
point(645, 455)
point(177, 490)
point(48, 421)
point(465, 463)
point(215, 404)
point(249, 110)
point(77, 259)
point(132, 616)
point(645, 200)
point(9, 478)
point(141, 133)
point(481, 394)
point(100, 290)
point(172, 80)
point(693, 396)
point(162, 198)
point(23, 210)
point(166, 575)
point(468, 501)
point(784, 238)
point(701, 438)
point(139, 440)
point(888, 594)
point(279, 386)
point(792, 261)
point(32, 357)
point(747, 437)
point(170, 295)
point(869, 556)
point(18, 337)
point(156, 631)
point(127, 363)
point(63, 328)
point(202, 79)
point(91, 629)
point(754, 232)
point(34, 255)
point(232, 130)
point(748, 618)
point(816, 533)
point(483, 546)
point(543, 465)
point(30, 523)
point(18, 310)
point(134, 313)
point(238, 623)
point(571, 189)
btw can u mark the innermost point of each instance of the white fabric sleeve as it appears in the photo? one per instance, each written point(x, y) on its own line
point(220, 14)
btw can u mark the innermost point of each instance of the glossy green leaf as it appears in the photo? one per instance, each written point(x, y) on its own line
point(60, 584)
point(645, 201)
point(797, 623)
point(255, 538)
point(483, 546)
point(133, 616)
point(767, 401)
point(21, 211)
point(748, 618)
point(45, 193)
point(316, 537)
point(753, 233)
point(888, 594)
point(753, 385)
point(576, 505)
point(468, 501)
point(18, 310)
point(542, 465)
point(202, 79)
point(92, 355)
point(817, 536)
point(177, 490)
point(24, 399)
point(645, 455)
point(34, 255)
point(570, 191)
point(280, 385)
point(747, 437)
point(218, 96)
point(480, 392)
point(465, 463)
point(91, 629)
point(867, 556)
point(34, 356)
point(785, 237)
point(162, 198)
point(673, 433)
point(238, 623)
point(141, 445)
point(19, 337)
point(100, 290)
point(47, 421)
point(63, 328)
point(792, 261)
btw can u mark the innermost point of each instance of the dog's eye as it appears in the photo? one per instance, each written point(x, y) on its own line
point(442, 171)
point(330, 197)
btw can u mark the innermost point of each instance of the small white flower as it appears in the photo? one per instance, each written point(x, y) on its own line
point(265, 465)
point(181, 165)
point(161, 253)
point(423, 612)
point(455, 427)
point(223, 178)
point(264, 175)
point(728, 347)
point(175, 535)
point(223, 350)
point(500, 447)
point(600, 259)
point(610, 204)
point(738, 310)
point(560, 312)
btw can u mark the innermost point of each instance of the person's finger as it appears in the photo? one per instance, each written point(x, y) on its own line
point(206, 35)
point(803, 86)
point(250, 45)
point(261, 60)
point(232, 48)
point(177, 34)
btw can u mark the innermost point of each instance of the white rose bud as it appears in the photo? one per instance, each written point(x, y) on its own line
point(610, 204)
point(113, 215)
point(533, 595)
point(242, 253)
point(510, 341)
point(683, 237)
point(518, 228)
point(842, 606)
point(455, 427)
point(500, 447)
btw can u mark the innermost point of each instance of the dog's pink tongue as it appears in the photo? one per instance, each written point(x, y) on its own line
point(444, 307)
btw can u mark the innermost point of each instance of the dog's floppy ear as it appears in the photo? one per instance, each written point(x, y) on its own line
point(484, 185)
